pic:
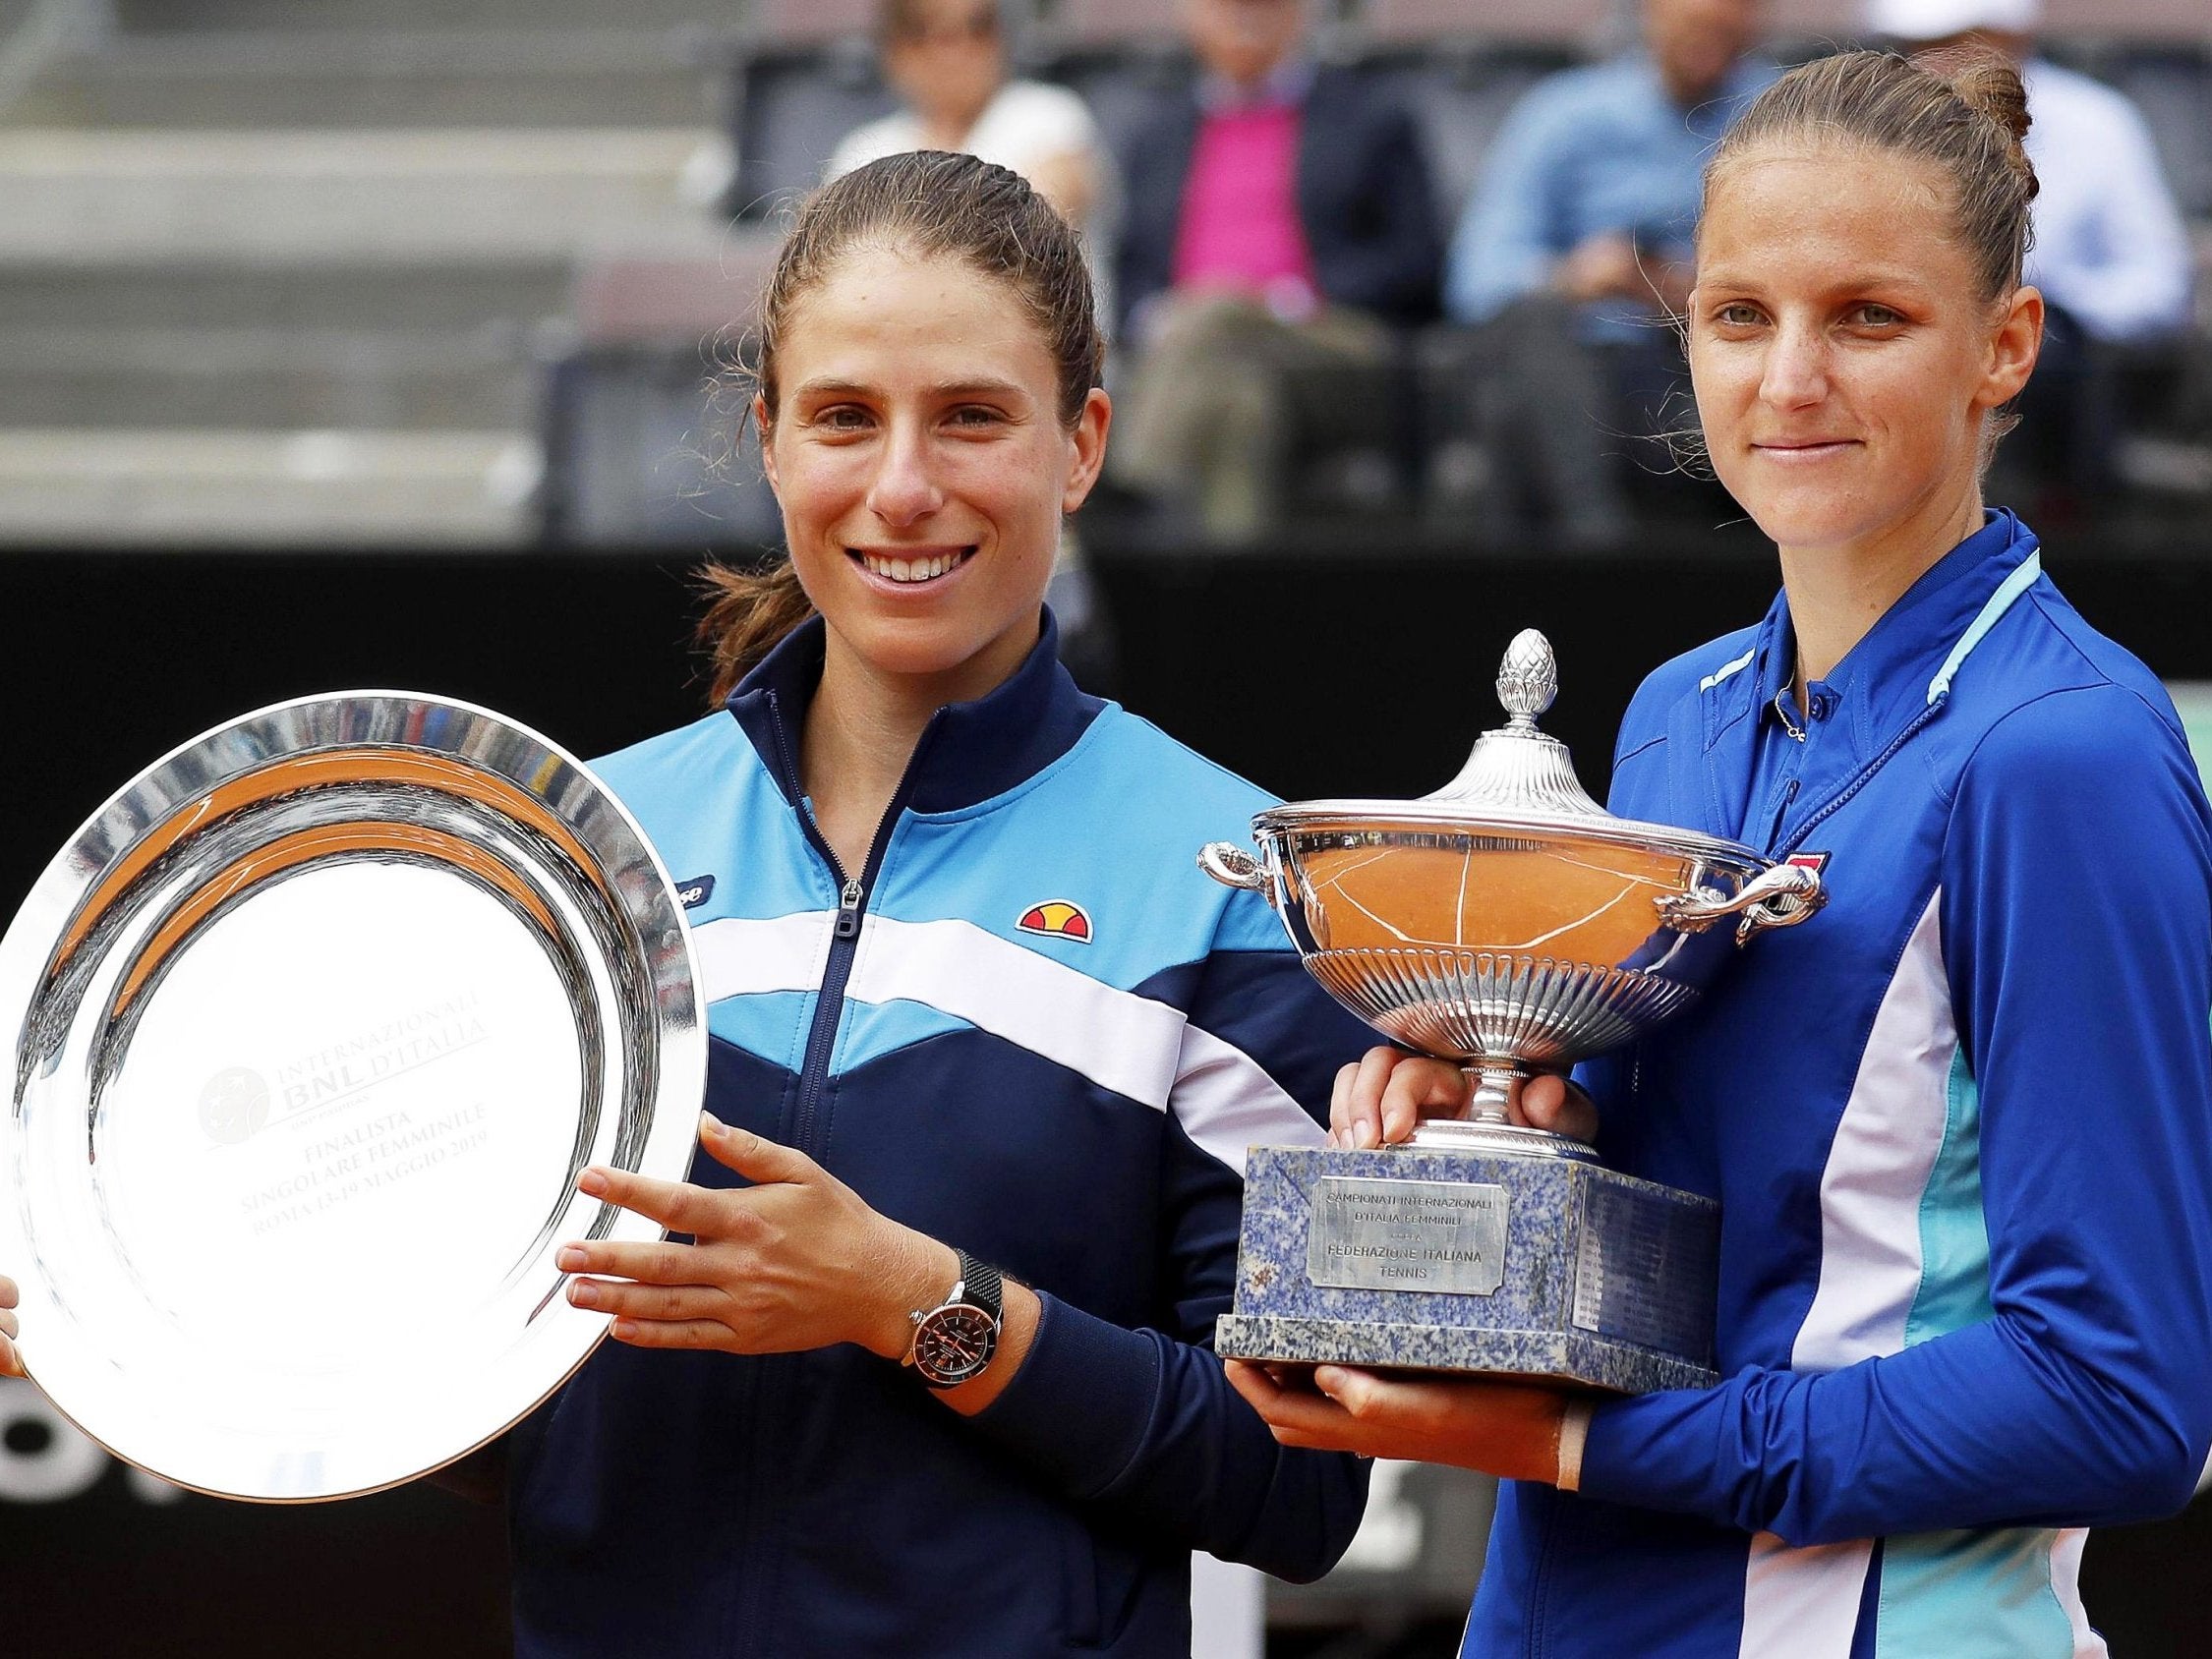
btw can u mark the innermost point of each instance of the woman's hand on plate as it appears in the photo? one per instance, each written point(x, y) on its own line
point(11, 1363)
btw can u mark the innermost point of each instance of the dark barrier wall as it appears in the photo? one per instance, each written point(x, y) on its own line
point(1317, 674)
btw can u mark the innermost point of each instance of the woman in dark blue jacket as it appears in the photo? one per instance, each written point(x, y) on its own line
point(988, 1052)
point(987, 1044)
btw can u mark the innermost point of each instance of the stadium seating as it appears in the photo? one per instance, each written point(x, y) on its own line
point(786, 108)
point(2129, 20)
point(645, 445)
point(642, 423)
point(1461, 70)
point(1461, 92)
point(1090, 25)
point(283, 217)
point(797, 23)
point(274, 271)
point(1571, 25)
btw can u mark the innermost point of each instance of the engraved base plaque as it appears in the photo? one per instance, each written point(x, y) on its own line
point(1452, 1259)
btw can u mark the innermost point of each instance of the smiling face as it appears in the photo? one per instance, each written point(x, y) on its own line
point(1845, 352)
point(920, 457)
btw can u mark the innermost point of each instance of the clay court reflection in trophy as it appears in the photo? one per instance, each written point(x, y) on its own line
point(1511, 924)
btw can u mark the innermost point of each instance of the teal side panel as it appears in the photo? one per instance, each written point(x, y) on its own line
point(1954, 1235)
point(1982, 1593)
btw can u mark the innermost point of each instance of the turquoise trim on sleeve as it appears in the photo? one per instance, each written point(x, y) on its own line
point(1953, 1234)
point(1734, 665)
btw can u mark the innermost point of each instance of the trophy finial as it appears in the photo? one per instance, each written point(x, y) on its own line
point(1528, 677)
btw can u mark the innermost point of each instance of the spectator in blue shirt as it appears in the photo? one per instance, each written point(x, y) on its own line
point(1575, 248)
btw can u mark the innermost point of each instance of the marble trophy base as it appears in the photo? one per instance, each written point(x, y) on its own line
point(1452, 1259)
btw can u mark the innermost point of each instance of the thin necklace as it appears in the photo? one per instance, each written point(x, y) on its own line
point(1782, 709)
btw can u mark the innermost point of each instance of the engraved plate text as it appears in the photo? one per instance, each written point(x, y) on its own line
point(1647, 1270)
point(1407, 1235)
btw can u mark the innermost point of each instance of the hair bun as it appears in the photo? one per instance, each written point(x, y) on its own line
point(1988, 83)
point(1991, 84)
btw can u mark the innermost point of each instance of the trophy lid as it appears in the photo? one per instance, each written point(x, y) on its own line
point(1517, 769)
point(1518, 777)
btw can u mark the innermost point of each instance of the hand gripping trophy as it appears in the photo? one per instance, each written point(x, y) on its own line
point(1511, 924)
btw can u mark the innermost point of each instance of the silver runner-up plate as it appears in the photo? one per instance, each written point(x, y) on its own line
point(312, 1027)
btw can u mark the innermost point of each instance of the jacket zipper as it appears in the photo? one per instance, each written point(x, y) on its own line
point(1860, 779)
point(829, 1003)
point(770, 1395)
point(1781, 811)
point(845, 938)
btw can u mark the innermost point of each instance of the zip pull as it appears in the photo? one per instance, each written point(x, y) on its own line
point(849, 910)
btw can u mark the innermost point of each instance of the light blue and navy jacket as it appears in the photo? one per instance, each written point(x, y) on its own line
point(1959, 1124)
point(1029, 1028)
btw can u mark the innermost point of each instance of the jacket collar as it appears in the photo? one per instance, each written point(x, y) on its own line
point(1883, 680)
point(1876, 692)
point(970, 752)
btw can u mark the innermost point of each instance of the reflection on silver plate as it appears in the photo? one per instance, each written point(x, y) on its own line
point(312, 1027)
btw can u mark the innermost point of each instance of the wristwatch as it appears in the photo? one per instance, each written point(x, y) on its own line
point(955, 1340)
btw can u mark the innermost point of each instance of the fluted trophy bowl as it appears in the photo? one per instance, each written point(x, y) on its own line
point(1508, 922)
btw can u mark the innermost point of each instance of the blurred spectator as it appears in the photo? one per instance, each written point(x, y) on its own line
point(2112, 254)
point(1576, 248)
point(946, 59)
point(1278, 218)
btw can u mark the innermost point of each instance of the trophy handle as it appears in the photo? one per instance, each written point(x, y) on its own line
point(1233, 867)
point(1780, 896)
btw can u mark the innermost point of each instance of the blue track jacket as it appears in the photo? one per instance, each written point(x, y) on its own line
point(1960, 1124)
point(1030, 1028)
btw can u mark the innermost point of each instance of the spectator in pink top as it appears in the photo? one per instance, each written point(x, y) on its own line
point(1279, 217)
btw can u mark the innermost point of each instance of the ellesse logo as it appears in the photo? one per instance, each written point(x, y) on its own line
point(696, 891)
point(1057, 918)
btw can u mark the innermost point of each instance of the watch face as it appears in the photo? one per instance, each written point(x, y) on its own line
point(953, 1344)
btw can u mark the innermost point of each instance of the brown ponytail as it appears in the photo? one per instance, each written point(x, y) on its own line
point(749, 611)
point(930, 203)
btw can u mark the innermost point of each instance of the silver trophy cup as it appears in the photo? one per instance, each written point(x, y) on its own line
point(1510, 924)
